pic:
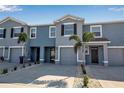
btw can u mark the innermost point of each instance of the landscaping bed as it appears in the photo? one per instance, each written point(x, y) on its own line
point(79, 80)
point(15, 68)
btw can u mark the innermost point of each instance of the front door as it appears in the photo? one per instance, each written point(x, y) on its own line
point(35, 54)
point(49, 55)
point(94, 55)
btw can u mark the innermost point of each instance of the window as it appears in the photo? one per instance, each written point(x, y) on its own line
point(1, 33)
point(33, 31)
point(97, 30)
point(68, 29)
point(52, 32)
point(16, 32)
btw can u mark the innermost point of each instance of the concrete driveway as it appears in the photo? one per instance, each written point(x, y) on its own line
point(42, 75)
point(109, 77)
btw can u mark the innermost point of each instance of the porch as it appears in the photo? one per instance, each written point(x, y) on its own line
point(97, 52)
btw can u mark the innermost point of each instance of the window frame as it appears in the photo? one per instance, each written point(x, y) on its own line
point(99, 31)
point(13, 32)
point(3, 32)
point(71, 23)
point(35, 32)
point(50, 31)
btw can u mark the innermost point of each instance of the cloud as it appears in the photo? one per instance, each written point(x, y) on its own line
point(10, 8)
point(117, 9)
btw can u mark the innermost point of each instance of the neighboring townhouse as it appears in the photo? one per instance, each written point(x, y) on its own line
point(50, 43)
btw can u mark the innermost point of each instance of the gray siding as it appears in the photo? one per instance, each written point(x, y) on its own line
point(42, 37)
point(42, 40)
point(62, 40)
point(114, 32)
point(8, 41)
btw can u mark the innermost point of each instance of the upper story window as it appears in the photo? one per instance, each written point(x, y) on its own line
point(15, 32)
point(68, 29)
point(2, 33)
point(33, 32)
point(52, 32)
point(97, 30)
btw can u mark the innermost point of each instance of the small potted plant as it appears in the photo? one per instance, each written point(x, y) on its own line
point(15, 68)
point(23, 66)
point(29, 64)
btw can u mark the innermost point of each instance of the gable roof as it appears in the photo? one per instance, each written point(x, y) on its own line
point(69, 16)
point(13, 19)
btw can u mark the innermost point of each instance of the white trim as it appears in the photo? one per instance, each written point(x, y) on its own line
point(78, 60)
point(41, 59)
point(105, 61)
point(14, 32)
point(10, 18)
point(22, 47)
point(50, 31)
point(35, 32)
point(66, 17)
point(16, 46)
point(67, 35)
point(3, 47)
point(100, 30)
point(65, 24)
point(93, 42)
point(17, 27)
point(58, 59)
point(69, 23)
point(115, 46)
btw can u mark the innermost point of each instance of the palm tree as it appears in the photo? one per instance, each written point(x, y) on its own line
point(81, 43)
point(22, 39)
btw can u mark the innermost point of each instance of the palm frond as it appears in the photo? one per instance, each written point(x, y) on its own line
point(22, 37)
point(77, 46)
point(75, 37)
point(88, 36)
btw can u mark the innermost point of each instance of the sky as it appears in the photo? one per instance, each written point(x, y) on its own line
point(42, 14)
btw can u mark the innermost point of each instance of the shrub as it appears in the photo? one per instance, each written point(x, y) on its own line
point(15, 68)
point(29, 64)
point(86, 81)
point(4, 71)
point(38, 62)
point(83, 69)
point(23, 66)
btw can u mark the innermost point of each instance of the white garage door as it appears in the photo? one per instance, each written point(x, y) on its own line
point(68, 56)
point(116, 56)
point(15, 53)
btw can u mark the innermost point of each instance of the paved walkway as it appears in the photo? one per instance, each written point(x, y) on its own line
point(109, 77)
point(42, 75)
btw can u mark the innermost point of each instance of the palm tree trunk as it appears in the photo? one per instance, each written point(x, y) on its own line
point(83, 54)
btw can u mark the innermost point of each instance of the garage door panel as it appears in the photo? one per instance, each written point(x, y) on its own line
point(15, 53)
point(116, 57)
point(68, 56)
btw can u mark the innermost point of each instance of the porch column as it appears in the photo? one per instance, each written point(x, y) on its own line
point(105, 49)
point(23, 51)
point(57, 55)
